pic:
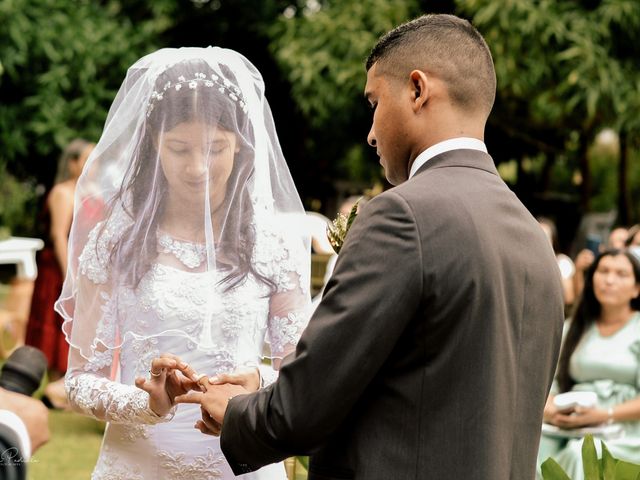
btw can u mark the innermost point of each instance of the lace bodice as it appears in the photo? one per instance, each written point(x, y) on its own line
point(183, 312)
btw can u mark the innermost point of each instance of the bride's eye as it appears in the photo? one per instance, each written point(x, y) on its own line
point(217, 151)
point(178, 151)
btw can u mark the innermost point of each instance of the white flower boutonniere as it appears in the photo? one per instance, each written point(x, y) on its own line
point(337, 231)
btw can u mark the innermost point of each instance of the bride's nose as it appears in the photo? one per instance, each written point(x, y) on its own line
point(196, 167)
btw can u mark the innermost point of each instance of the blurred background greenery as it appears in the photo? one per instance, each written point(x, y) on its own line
point(564, 132)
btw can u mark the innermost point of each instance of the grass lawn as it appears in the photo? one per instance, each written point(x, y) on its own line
point(72, 450)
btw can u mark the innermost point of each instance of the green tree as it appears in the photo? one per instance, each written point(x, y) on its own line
point(566, 70)
point(62, 64)
point(321, 48)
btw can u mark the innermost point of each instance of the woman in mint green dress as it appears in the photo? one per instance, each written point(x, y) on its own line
point(600, 353)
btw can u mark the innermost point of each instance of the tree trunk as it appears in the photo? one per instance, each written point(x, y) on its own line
point(623, 190)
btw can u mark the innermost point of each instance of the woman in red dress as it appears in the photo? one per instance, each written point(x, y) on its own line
point(44, 325)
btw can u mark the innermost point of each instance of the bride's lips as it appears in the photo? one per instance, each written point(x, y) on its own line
point(196, 183)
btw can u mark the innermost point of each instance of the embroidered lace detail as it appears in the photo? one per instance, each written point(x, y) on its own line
point(110, 468)
point(98, 361)
point(143, 352)
point(110, 401)
point(134, 432)
point(183, 302)
point(277, 259)
point(205, 467)
point(93, 261)
point(190, 254)
point(284, 332)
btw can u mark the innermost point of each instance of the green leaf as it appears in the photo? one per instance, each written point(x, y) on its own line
point(304, 461)
point(353, 213)
point(552, 471)
point(590, 462)
point(608, 463)
point(626, 471)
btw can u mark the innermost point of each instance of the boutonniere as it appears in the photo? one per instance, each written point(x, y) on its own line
point(337, 230)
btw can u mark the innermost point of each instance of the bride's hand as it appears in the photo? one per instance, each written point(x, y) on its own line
point(247, 377)
point(170, 377)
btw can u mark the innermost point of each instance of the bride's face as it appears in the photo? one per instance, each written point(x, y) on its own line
point(194, 154)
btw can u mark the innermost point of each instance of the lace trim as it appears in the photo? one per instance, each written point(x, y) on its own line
point(111, 401)
point(190, 254)
point(110, 468)
point(93, 261)
point(205, 467)
point(277, 258)
point(285, 332)
point(98, 361)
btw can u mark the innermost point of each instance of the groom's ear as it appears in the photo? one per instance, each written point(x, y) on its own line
point(421, 89)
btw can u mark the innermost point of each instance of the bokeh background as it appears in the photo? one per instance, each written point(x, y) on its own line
point(564, 132)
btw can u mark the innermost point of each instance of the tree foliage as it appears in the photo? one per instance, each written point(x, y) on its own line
point(566, 69)
point(62, 63)
point(322, 52)
point(321, 47)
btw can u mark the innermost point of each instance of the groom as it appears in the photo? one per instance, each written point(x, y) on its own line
point(433, 350)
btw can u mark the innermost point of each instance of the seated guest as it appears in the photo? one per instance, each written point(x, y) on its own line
point(600, 353)
point(565, 264)
point(633, 236)
point(617, 237)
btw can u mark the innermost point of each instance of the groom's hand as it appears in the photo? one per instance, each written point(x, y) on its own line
point(214, 400)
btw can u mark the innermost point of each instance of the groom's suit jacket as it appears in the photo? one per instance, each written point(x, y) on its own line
point(433, 349)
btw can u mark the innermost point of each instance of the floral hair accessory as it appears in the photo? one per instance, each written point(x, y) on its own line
point(200, 80)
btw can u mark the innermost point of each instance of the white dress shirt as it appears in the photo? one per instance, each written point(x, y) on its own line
point(459, 143)
point(15, 423)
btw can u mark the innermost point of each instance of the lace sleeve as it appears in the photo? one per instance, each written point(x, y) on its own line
point(104, 399)
point(289, 307)
point(94, 339)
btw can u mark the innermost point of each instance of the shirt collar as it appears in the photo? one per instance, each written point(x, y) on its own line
point(459, 143)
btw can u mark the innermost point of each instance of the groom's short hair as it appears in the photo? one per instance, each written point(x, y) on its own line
point(446, 46)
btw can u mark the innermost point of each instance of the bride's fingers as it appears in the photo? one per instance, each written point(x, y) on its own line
point(159, 366)
point(191, 397)
point(182, 366)
point(141, 383)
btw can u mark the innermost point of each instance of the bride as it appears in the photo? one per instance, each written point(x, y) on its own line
point(191, 255)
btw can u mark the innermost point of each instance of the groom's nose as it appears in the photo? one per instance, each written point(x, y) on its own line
point(371, 138)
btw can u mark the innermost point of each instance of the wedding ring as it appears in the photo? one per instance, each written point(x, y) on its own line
point(155, 374)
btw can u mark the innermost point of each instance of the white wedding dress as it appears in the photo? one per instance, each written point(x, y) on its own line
point(167, 312)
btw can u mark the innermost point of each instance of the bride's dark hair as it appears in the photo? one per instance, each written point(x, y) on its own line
point(217, 103)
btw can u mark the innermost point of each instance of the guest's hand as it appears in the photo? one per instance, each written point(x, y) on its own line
point(584, 259)
point(170, 377)
point(32, 412)
point(581, 417)
point(214, 400)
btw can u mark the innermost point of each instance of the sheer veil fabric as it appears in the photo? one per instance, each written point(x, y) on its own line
point(183, 241)
point(216, 98)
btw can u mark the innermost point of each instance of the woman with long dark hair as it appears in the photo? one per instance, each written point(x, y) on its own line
point(601, 354)
point(191, 257)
